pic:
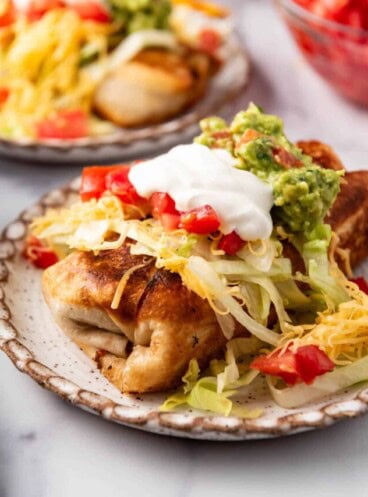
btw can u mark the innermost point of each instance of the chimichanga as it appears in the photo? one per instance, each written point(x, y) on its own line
point(159, 326)
point(145, 345)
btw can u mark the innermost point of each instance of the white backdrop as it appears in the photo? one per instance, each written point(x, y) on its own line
point(51, 449)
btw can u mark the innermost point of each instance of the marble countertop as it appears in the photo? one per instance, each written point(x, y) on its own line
point(51, 449)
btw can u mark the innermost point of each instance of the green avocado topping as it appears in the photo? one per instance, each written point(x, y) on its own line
point(302, 197)
point(303, 191)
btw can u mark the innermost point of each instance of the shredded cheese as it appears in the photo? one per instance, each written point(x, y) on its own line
point(40, 66)
point(343, 334)
point(208, 8)
point(122, 284)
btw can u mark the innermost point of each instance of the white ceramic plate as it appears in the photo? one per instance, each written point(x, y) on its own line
point(223, 97)
point(38, 347)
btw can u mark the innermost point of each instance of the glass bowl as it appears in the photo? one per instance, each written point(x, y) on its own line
point(339, 53)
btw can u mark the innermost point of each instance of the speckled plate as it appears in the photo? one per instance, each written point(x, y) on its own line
point(38, 347)
point(223, 97)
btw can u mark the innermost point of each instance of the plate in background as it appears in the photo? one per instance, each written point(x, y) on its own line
point(223, 97)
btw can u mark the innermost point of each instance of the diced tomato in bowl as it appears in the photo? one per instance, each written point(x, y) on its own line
point(333, 37)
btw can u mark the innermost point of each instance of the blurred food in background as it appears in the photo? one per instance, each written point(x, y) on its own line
point(333, 37)
point(76, 68)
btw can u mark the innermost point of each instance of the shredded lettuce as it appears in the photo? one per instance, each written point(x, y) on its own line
point(257, 301)
point(212, 393)
point(314, 251)
point(203, 279)
point(327, 384)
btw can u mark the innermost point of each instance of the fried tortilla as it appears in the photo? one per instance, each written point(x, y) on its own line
point(349, 214)
point(152, 87)
point(164, 323)
point(146, 344)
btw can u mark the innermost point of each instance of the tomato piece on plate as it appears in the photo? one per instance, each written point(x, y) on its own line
point(231, 243)
point(64, 125)
point(170, 221)
point(362, 284)
point(162, 203)
point(37, 8)
point(93, 183)
point(7, 14)
point(118, 183)
point(209, 41)
point(305, 364)
point(277, 364)
point(312, 362)
point(201, 220)
point(91, 11)
point(38, 254)
point(4, 94)
point(163, 208)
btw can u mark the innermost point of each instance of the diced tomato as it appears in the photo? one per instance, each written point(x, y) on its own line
point(231, 243)
point(37, 8)
point(170, 221)
point(64, 125)
point(4, 94)
point(118, 183)
point(92, 11)
point(285, 158)
point(209, 41)
point(163, 208)
point(350, 12)
point(312, 362)
point(305, 364)
point(162, 203)
point(202, 220)
point(40, 256)
point(93, 183)
point(362, 284)
point(7, 14)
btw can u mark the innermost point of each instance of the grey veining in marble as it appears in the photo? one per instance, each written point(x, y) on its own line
point(50, 449)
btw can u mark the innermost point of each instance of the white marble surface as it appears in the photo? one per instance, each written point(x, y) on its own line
point(51, 449)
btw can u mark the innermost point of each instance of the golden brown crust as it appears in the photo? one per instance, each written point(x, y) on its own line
point(171, 324)
point(152, 87)
point(321, 154)
point(348, 216)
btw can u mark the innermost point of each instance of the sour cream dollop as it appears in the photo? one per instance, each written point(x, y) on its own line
point(194, 175)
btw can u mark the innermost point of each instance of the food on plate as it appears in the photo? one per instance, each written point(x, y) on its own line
point(332, 35)
point(212, 264)
point(352, 13)
point(152, 87)
point(76, 68)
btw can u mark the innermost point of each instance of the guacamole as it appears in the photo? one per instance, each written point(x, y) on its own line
point(302, 197)
point(303, 191)
point(135, 15)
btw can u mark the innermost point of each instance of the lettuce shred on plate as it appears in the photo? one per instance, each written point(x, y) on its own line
point(308, 329)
